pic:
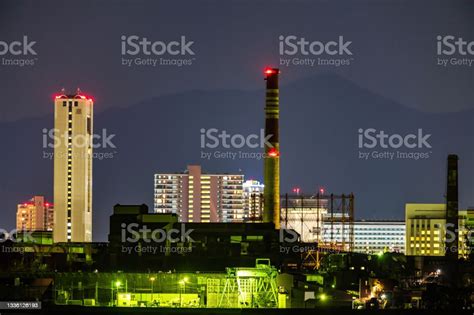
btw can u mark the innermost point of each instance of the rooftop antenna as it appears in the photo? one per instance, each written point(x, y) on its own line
point(78, 91)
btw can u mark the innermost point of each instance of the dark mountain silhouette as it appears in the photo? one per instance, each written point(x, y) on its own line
point(319, 121)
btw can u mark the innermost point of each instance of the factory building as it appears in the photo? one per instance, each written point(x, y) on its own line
point(372, 236)
point(139, 239)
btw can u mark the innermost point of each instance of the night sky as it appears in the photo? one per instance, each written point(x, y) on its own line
point(392, 83)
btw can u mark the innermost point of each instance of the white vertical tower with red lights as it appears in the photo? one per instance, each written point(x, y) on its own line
point(73, 130)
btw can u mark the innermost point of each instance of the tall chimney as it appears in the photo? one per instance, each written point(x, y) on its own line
point(452, 236)
point(271, 193)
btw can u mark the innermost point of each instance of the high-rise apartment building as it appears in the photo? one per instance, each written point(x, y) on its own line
point(35, 215)
point(73, 123)
point(253, 200)
point(426, 230)
point(200, 197)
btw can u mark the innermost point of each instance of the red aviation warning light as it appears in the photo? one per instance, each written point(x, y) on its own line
point(273, 152)
point(78, 95)
point(270, 71)
point(83, 97)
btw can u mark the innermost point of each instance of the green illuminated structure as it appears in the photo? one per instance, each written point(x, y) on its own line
point(252, 287)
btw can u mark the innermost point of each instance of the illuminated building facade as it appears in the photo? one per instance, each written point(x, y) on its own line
point(305, 216)
point(371, 236)
point(426, 229)
point(35, 215)
point(73, 123)
point(253, 200)
point(200, 197)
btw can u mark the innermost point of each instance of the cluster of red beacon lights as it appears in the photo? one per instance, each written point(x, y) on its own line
point(297, 190)
point(60, 96)
point(47, 204)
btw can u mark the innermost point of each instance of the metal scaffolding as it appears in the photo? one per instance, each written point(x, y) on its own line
point(327, 220)
point(249, 287)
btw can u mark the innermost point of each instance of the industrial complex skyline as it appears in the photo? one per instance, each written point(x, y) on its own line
point(154, 104)
point(187, 156)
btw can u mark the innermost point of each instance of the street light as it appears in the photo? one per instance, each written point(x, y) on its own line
point(117, 285)
point(183, 284)
point(152, 279)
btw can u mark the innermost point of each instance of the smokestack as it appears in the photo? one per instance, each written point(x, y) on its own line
point(271, 193)
point(452, 208)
